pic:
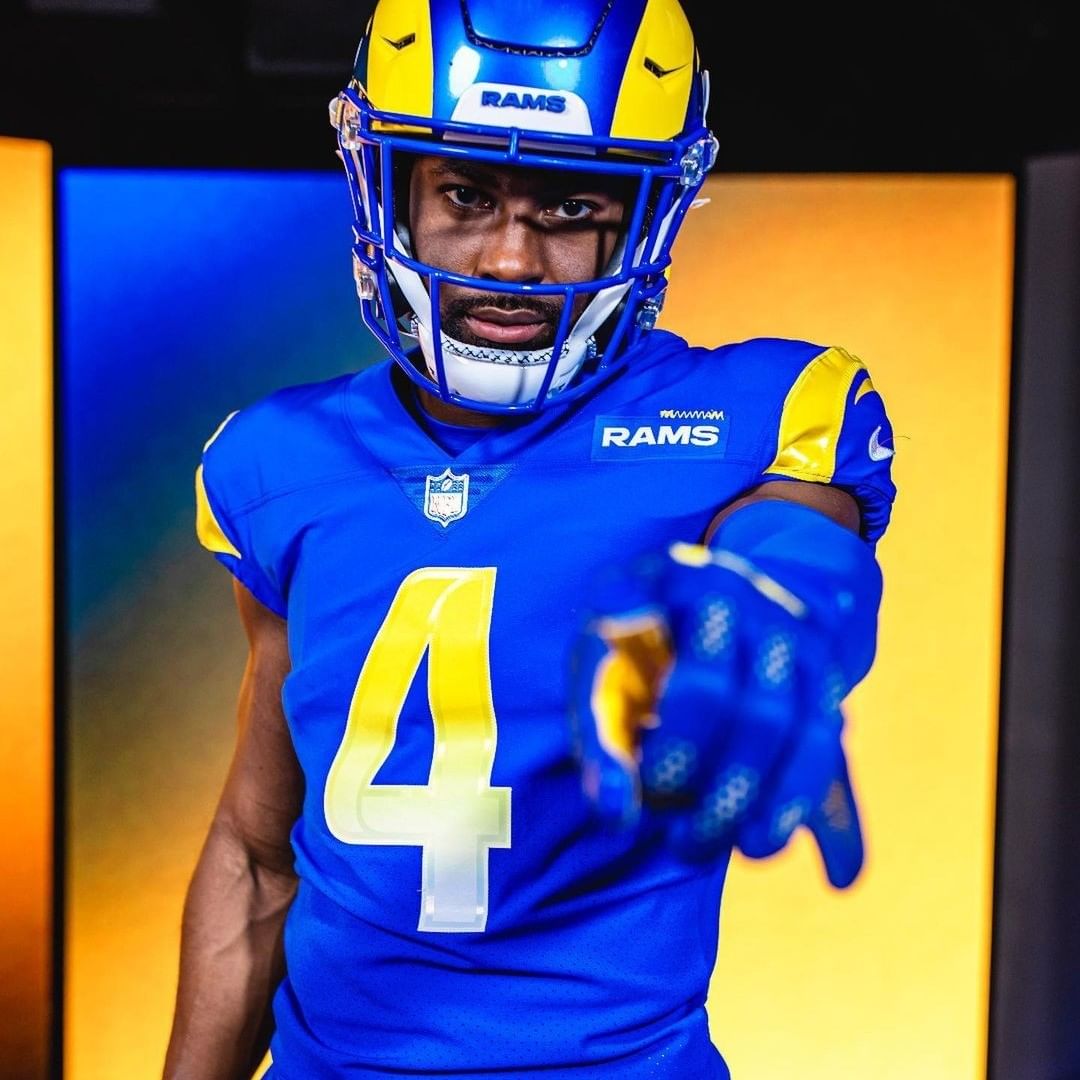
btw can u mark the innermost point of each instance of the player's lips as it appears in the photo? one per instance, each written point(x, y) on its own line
point(506, 327)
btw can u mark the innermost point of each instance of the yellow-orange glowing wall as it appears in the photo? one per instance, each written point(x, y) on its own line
point(26, 722)
point(913, 274)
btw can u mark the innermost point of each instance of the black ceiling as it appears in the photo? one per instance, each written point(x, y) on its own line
point(814, 87)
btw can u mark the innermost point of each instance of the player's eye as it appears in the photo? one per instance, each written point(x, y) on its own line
point(467, 198)
point(572, 210)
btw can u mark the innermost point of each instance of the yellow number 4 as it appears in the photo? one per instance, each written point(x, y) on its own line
point(457, 817)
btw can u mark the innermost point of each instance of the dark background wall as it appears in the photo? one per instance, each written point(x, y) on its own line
point(1035, 990)
point(835, 87)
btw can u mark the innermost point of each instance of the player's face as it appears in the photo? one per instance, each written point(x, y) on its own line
point(526, 226)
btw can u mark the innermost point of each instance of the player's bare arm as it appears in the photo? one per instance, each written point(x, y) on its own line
point(833, 502)
point(231, 955)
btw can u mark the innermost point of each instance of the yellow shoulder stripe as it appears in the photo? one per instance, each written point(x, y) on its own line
point(866, 387)
point(210, 533)
point(813, 416)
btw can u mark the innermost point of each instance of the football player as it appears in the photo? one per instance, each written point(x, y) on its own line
point(548, 612)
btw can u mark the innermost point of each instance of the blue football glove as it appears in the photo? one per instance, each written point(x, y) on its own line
point(709, 689)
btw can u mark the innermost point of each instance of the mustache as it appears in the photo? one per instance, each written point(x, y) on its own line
point(548, 310)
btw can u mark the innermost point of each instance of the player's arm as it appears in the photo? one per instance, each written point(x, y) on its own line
point(708, 680)
point(831, 501)
point(231, 943)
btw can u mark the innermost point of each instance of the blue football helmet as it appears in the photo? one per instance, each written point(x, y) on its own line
point(609, 87)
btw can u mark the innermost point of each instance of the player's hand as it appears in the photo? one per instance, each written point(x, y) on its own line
point(704, 689)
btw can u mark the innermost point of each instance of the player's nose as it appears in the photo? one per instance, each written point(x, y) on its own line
point(512, 252)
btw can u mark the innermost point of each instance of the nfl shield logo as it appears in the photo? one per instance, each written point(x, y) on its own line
point(446, 497)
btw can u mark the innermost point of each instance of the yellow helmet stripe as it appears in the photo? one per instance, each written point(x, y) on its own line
point(656, 85)
point(400, 63)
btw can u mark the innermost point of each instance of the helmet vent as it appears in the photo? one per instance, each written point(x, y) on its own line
point(660, 72)
point(401, 42)
point(512, 27)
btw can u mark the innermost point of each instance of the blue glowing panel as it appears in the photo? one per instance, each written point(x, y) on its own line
point(183, 296)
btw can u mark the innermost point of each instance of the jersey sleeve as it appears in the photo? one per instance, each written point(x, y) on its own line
point(223, 495)
point(832, 429)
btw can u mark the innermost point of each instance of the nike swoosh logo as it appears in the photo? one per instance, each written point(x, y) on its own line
point(877, 451)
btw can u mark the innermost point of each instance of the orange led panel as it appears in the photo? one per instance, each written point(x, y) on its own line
point(26, 598)
point(914, 275)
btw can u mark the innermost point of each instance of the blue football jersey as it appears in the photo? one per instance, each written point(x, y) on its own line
point(460, 912)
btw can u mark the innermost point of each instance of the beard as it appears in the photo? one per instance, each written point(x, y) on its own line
point(455, 311)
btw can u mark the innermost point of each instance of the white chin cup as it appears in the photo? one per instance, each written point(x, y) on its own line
point(500, 376)
point(503, 376)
